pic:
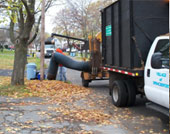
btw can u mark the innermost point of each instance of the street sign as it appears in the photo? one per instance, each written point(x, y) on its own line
point(109, 30)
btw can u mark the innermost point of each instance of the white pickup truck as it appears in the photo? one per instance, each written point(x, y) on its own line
point(157, 72)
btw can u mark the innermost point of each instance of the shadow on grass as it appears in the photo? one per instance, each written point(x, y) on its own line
point(15, 91)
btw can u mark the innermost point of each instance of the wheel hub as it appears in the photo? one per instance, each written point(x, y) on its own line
point(115, 94)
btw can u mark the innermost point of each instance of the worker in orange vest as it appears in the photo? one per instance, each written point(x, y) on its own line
point(62, 69)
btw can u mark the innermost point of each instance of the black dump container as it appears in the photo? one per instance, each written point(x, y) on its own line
point(129, 28)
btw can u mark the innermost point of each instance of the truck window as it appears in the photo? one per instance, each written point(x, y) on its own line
point(163, 47)
point(49, 46)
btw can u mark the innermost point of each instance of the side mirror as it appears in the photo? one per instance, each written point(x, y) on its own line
point(156, 61)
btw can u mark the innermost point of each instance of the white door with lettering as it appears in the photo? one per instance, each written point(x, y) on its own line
point(157, 80)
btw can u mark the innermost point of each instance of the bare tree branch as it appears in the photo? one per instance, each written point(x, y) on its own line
point(30, 19)
point(37, 10)
point(21, 21)
point(36, 32)
point(26, 7)
point(48, 5)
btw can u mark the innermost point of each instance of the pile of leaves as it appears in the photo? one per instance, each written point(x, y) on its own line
point(66, 95)
point(56, 90)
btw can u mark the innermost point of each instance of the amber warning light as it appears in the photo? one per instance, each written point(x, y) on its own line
point(167, 1)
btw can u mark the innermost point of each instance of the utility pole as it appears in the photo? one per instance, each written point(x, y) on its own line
point(42, 39)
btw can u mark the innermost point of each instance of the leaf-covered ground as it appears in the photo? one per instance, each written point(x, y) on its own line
point(66, 108)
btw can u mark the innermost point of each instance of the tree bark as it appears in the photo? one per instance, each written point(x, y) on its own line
point(21, 42)
point(42, 40)
point(19, 63)
point(69, 45)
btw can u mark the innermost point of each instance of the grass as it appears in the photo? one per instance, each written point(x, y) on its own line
point(8, 90)
point(34, 60)
point(7, 60)
point(6, 51)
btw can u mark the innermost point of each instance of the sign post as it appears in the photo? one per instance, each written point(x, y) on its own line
point(42, 40)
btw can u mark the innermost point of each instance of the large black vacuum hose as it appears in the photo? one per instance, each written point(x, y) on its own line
point(58, 58)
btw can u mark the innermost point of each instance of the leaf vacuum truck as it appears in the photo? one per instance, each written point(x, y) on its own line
point(134, 55)
point(135, 51)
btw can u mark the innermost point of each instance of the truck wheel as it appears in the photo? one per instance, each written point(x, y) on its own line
point(85, 83)
point(131, 91)
point(119, 94)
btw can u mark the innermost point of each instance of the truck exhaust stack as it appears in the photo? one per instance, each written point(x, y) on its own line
point(58, 58)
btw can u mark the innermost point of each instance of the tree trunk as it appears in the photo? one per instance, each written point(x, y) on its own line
point(69, 45)
point(19, 63)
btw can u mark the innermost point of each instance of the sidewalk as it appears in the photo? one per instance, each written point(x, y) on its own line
point(76, 114)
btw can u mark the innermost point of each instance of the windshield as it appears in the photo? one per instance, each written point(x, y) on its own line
point(49, 46)
point(163, 48)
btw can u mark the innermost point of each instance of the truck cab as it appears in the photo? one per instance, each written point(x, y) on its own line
point(156, 75)
point(49, 50)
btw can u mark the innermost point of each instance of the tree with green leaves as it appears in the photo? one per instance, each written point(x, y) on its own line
point(24, 16)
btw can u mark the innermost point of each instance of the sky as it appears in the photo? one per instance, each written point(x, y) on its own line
point(49, 17)
point(51, 13)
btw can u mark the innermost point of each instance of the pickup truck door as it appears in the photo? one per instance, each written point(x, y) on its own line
point(157, 80)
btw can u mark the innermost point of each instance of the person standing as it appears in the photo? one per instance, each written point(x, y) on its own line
point(62, 73)
point(62, 69)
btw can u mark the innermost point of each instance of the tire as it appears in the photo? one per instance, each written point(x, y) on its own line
point(85, 83)
point(119, 94)
point(131, 91)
